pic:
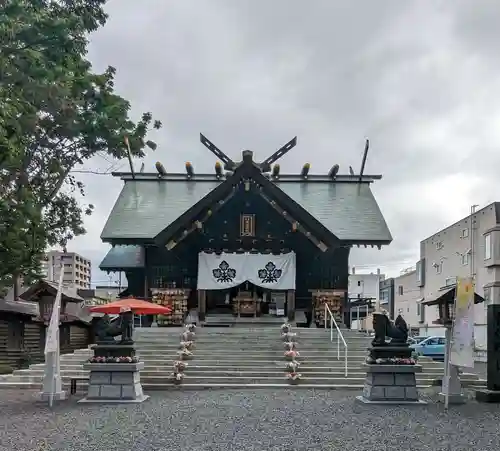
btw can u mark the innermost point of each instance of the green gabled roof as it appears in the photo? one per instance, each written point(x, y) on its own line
point(123, 257)
point(349, 210)
point(147, 205)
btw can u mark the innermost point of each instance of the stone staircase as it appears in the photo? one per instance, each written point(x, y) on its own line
point(238, 357)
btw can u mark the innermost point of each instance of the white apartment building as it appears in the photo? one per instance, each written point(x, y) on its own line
point(407, 297)
point(471, 246)
point(364, 286)
point(77, 269)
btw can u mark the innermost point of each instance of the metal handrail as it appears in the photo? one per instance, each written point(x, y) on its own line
point(328, 312)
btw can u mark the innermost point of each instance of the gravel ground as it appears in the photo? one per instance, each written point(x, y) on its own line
point(263, 420)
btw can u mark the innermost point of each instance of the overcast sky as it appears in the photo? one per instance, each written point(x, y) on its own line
point(420, 79)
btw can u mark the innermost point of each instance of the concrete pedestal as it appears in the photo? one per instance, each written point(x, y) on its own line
point(115, 383)
point(452, 385)
point(391, 384)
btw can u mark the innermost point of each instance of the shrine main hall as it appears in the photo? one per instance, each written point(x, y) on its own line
point(244, 241)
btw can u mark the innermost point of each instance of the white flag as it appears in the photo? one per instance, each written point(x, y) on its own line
point(52, 340)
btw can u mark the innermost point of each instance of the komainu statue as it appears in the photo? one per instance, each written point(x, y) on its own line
point(383, 327)
point(106, 331)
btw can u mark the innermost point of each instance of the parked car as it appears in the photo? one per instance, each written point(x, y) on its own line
point(420, 338)
point(431, 347)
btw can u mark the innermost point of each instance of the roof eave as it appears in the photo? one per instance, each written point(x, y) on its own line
point(282, 178)
point(128, 241)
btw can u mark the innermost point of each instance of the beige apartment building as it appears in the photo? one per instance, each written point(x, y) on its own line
point(470, 247)
point(407, 297)
point(77, 269)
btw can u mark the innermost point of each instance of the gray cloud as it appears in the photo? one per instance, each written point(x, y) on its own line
point(417, 78)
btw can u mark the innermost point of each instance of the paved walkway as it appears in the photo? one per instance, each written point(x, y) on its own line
point(265, 420)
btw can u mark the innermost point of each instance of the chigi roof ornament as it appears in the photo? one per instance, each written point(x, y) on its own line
point(230, 165)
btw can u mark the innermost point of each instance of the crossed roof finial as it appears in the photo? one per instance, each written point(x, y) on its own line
point(230, 165)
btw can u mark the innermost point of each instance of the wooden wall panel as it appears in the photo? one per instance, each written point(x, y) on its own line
point(32, 350)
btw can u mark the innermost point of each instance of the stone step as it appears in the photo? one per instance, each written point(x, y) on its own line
point(240, 353)
point(82, 387)
point(155, 362)
point(238, 367)
point(220, 378)
point(240, 345)
point(230, 372)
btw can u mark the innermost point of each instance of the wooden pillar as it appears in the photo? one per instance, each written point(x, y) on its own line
point(290, 305)
point(202, 304)
point(146, 286)
point(346, 308)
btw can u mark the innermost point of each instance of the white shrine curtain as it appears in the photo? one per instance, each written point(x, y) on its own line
point(218, 272)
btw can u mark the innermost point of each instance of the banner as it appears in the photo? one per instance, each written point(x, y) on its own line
point(52, 339)
point(218, 272)
point(462, 344)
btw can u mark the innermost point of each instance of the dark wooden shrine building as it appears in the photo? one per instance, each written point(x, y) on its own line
point(24, 322)
point(163, 224)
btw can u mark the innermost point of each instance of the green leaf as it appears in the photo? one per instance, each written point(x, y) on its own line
point(56, 114)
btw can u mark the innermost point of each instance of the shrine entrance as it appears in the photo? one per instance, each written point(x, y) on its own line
point(246, 284)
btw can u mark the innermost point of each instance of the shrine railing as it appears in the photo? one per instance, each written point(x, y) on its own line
point(340, 336)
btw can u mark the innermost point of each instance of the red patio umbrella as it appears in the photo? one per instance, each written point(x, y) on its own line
point(138, 306)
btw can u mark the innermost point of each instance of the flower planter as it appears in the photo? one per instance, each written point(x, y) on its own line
point(188, 336)
point(293, 381)
point(176, 380)
point(290, 345)
point(288, 337)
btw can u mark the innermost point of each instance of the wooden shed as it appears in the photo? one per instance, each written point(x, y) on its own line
point(23, 324)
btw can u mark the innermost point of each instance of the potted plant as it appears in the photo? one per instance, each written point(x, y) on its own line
point(288, 336)
point(290, 345)
point(177, 377)
point(294, 377)
point(178, 374)
point(185, 354)
point(285, 328)
point(180, 366)
point(291, 355)
point(292, 366)
point(186, 344)
point(188, 336)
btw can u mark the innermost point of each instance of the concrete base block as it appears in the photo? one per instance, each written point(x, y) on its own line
point(393, 384)
point(488, 396)
point(114, 401)
point(453, 398)
point(110, 382)
point(390, 403)
point(59, 396)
